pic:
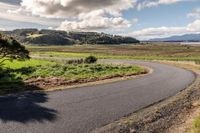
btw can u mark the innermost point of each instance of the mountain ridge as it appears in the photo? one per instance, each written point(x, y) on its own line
point(179, 38)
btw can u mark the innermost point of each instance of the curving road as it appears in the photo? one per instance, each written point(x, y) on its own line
point(83, 109)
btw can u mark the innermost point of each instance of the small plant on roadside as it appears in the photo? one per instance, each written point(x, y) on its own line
point(90, 59)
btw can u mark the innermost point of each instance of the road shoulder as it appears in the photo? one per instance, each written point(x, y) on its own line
point(161, 116)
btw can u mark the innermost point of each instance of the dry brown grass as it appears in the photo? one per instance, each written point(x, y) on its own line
point(131, 50)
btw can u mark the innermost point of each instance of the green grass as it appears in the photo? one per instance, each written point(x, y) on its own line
point(68, 71)
point(13, 74)
point(195, 128)
point(16, 71)
point(28, 63)
point(85, 71)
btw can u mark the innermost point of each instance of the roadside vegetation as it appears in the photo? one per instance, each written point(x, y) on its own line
point(195, 128)
point(45, 74)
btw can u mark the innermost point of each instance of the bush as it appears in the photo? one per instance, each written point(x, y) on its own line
point(75, 61)
point(90, 59)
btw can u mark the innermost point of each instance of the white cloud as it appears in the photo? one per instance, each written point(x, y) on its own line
point(84, 15)
point(95, 23)
point(154, 3)
point(194, 27)
point(195, 13)
point(14, 13)
point(73, 8)
point(2, 29)
point(160, 32)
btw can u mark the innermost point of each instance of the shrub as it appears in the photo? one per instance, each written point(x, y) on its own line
point(75, 61)
point(90, 59)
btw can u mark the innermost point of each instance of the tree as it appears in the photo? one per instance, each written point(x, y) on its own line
point(10, 49)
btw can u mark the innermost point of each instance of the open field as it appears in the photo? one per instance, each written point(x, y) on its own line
point(141, 52)
point(29, 63)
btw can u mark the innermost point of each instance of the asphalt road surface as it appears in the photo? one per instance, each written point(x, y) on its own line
point(84, 109)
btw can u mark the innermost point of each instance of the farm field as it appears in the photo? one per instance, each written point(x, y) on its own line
point(140, 52)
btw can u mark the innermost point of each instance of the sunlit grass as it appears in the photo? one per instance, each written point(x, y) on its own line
point(34, 68)
point(13, 74)
point(82, 71)
point(195, 128)
point(28, 63)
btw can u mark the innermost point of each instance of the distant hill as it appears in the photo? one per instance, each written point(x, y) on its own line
point(54, 37)
point(183, 38)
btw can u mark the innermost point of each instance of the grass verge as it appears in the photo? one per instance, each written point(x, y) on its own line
point(195, 128)
point(45, 74)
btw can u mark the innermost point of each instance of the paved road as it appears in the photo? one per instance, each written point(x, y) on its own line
point(83, 109)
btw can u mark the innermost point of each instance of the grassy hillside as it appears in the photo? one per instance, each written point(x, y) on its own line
point(53, 37)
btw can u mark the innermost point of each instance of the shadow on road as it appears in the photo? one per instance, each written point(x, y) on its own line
point(26, 108)
point(23, 107)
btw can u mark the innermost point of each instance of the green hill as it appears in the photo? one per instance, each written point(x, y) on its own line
point(54, 37)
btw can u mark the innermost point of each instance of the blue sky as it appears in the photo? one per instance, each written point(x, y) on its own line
point(143, 19)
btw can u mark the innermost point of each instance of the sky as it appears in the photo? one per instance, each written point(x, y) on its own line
point(142, 19)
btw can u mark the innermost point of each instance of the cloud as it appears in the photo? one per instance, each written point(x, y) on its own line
point(14, 13)
point(84, 15)
point(195, 13)
point(95, 23)
point(194, 27)
point(2, 29)
point(160, 32)
point(88, 15)
point(154, 3)
point(73, 8)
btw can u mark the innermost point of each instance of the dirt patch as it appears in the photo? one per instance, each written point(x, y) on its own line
point(160, 117)
point(184, 120)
